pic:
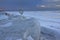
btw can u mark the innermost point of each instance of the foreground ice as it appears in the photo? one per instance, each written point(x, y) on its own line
point(16, 27)
point(50, 23)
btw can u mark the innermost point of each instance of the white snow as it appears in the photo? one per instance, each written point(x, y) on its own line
point(49, 20)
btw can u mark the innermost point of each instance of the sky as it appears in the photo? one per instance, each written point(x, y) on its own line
point(26, 4)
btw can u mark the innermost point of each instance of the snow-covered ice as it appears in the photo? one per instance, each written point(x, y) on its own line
point(21, 27)
point(50, 23)
point(49, 20)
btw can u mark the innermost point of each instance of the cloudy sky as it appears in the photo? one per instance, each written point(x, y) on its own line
point(50, 0)
point(12, 4)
